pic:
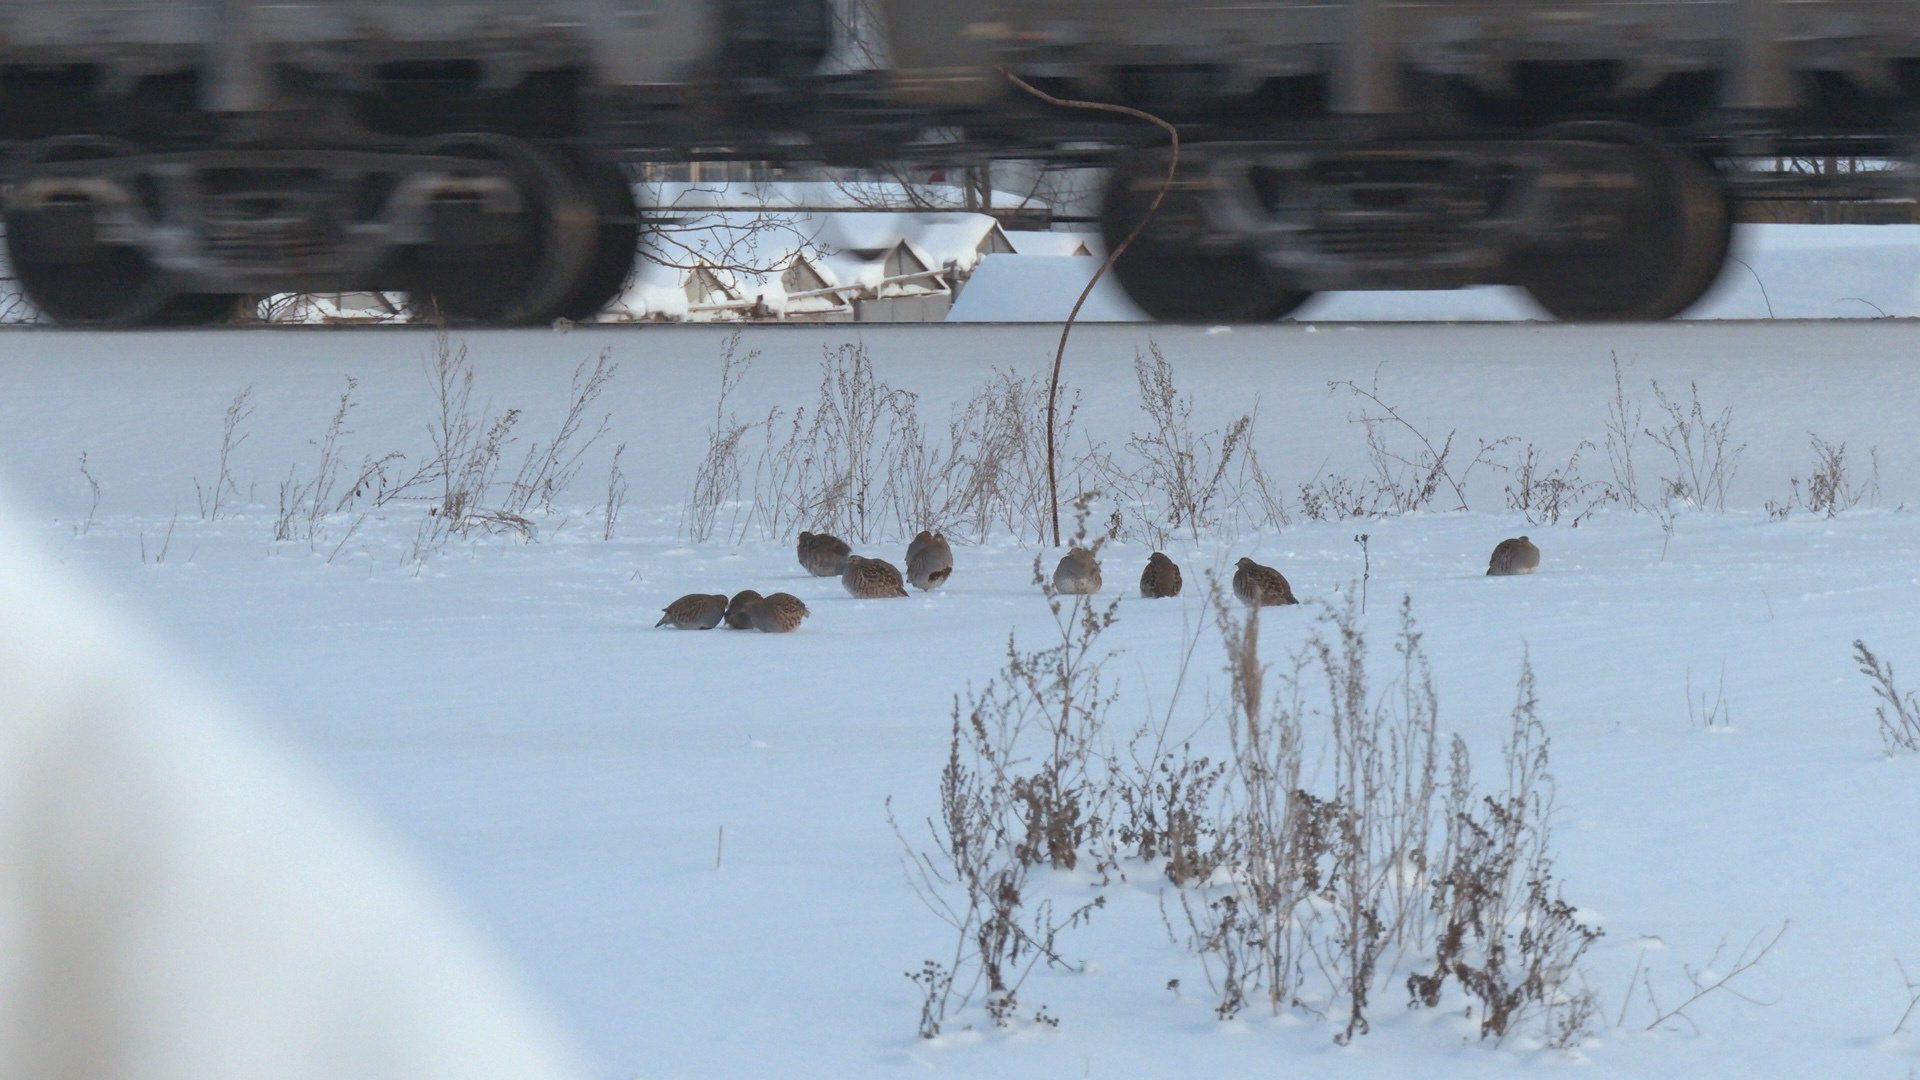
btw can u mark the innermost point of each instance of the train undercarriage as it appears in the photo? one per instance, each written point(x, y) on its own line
point(530, 216)
point(481, 228)
point(1599, 221)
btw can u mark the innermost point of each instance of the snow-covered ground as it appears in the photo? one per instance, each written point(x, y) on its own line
point(567, 769)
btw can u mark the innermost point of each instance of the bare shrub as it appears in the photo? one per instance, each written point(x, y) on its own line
point(1899, 713)
point(1164, 797)
point(1252, 935)
point(1334, 498)
point(1830, 487)
point(831, 470)
point(211, 498)
point(997, 457)
point(1545, 494)
point(305, 503)
point(716, 482)
point(1506, 936)
point(1711, 978)
point(1180, 475)
point(1021, 790)
point(1408, 480)
point(1704, 461)
point(1381, 806)
point(549, 469)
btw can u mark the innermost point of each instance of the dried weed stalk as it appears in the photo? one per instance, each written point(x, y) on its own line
point(1506, 936)
point(1023, 789)
point(1899, 713)
point(1408, 480)
point(239, 410)
point(1830, 487)
point(716, 482)
point(1709, 979)
point(1704, 461)
point(93, 489)
point(1545, 494)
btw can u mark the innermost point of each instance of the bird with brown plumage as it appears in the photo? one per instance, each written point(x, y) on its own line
point(1261, 586)
point(737, 616)
point(1161, 578)
point(1078, 573)
point(1515, 555)
point(929, 560)
point(871, 579)
point(694, 611)
point(779, 613)
point(823, 554)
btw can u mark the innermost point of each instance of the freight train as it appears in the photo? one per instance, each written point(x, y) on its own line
point(166, 158)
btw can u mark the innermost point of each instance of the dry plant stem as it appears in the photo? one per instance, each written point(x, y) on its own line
point(1900, 729)
point(237, 413)
point(1053, 384)
point(93, 486)
point(616, 494)
point(1913, 996)
point(1745, 962)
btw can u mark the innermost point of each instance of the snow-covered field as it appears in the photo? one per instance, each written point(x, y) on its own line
point(568, 769)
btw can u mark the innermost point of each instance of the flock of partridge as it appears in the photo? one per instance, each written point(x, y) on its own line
point(930, 562)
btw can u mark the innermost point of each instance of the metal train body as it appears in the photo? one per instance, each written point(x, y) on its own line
point(166, 158)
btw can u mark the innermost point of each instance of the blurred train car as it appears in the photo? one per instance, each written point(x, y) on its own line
point(1593, 152)
point(167, 158)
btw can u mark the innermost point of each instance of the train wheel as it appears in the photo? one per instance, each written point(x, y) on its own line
point(63, 269)
point(499, 267)
point(616, 239)
point(1662, 263)
point(1165, 271)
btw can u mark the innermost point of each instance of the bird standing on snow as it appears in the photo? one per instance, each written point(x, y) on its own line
point(1513, 556)
point(737, 616)
point(1261, 586)
point(1078, 573)
point(872, 579)
point(694, 611)
point(1161, 578)
point(929, 560)
point(822, 554)
point(777, 614)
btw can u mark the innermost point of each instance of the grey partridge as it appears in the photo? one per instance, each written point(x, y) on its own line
point(1078, 573)
point(823, 555)
point(872, 579)
point(694, 611)
point(1261, 586)
point(1161, 578)
point(778, 613)
point(1516, 555)
point(737, 616)
point(929, 560)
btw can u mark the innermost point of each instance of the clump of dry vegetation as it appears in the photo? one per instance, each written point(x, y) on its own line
point(1024, 790)
point(1310, 891)
point(459, 481)
point(1899, 714)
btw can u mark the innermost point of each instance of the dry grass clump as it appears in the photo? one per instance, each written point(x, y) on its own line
point(459, 481)
point(860, 462)
point(1023, 790)
point(1899, 713)
point(1175, 479)
point(1310, 893)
